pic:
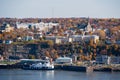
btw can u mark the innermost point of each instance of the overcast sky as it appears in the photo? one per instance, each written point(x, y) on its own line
point(60, 8)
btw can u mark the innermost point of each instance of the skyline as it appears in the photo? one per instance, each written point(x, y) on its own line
point(59, 8)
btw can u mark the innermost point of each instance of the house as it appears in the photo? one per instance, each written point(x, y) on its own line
point(66, 39)
point(38, 35)
point(6, 28)
point(28, 38)
point(62, 60)
point(115, 60)
point(55, 39)
point(8, 41)
point(104, 59)
point(22, 25)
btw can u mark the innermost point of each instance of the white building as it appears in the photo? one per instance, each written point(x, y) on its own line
point(77, 38)
point(22, 25)
point(88, 28)
point(39, 26)
point(59, 39)
point(62, 60)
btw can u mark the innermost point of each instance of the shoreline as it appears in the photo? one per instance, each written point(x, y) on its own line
point(69, 68)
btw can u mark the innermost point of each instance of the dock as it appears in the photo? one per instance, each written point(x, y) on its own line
point(74, 68)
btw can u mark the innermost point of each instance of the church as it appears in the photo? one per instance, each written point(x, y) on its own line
point(88, 28)
point(85, 27)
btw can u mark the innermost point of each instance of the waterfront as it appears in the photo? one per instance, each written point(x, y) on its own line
point(18, 74)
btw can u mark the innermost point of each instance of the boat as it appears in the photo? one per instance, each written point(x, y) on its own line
point(40, 65)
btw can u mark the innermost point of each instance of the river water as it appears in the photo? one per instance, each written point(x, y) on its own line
point(15, 74)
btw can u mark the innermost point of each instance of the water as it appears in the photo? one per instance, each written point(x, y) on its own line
point(56, 75)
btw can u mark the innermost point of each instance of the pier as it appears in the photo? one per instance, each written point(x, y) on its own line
point(74, 68)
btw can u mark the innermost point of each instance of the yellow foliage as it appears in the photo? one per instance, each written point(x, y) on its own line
point(81, 51)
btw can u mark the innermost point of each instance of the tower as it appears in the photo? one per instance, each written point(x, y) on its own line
point(88, 27)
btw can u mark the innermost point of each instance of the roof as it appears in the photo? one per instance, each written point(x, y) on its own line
point(64, 58)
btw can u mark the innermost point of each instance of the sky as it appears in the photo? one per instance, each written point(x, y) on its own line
point(60, 8)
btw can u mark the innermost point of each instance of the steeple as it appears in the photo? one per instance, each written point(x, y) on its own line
point(88, 27)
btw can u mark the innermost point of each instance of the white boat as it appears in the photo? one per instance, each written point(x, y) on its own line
point(43, 65)
point(40, 65)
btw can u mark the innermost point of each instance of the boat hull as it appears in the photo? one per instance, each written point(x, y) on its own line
point(43, 68)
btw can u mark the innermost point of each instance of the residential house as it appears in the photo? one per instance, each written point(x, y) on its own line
point(104, 59)
point(6, 28)
point(8, 41)
point(28, 38)
point(115, 60)
point(38, 35)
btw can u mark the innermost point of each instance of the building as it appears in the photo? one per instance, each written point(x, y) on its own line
point(6, 28)
point(62, 60)
point(55, 39)
point(28, 38)
point(59, 39)
point(8, 41)
point(115, 60)
point(88, 28)
point(22, 25)
point(37, 26)
point(104, 59)
point(86, 38)
point(38, 35)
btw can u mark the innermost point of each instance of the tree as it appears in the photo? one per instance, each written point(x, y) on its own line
point(31, 56)
point(47, 54)
point(50, 43)
point(91, 42)
point(101, 33)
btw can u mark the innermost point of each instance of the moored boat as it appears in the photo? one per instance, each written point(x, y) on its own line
point(40, 65)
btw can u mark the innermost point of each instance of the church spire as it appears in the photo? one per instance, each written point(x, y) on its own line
point(88, 27)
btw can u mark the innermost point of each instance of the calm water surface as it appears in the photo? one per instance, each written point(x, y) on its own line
point(56, 75)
